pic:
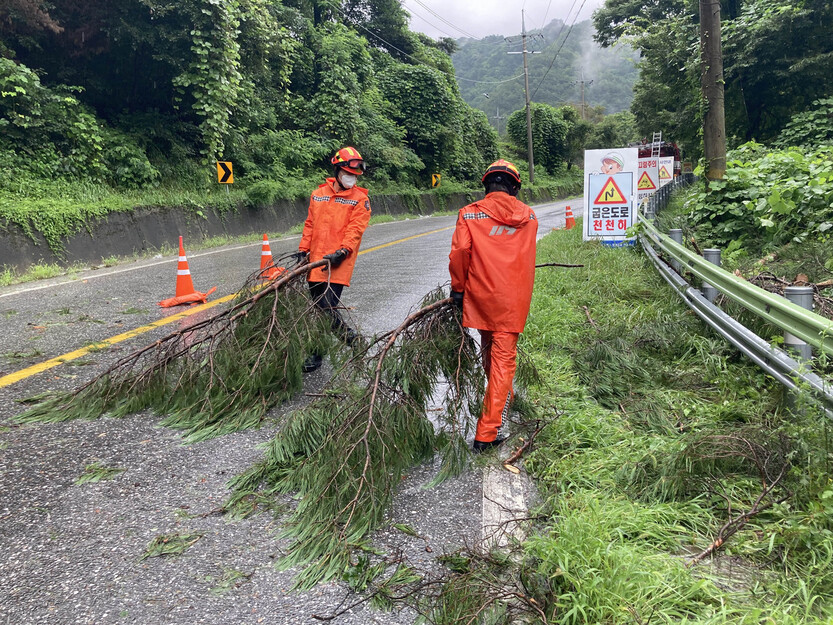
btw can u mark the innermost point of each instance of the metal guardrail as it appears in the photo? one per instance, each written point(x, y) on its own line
point(793, 319)
point(780, 365)
point(811, 328)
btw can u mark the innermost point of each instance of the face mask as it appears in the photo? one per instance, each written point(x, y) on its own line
point(347, 180)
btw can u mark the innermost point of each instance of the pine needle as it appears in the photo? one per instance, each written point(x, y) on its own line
point(346, 453)
point(217, 376)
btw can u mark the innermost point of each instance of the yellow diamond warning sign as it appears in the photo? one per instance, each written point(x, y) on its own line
point(645, 183)
point(610, 194)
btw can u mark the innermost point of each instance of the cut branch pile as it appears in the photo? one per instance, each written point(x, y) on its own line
point(769, 458)
point(216, 376)
point(768, 281)
point(345, 453)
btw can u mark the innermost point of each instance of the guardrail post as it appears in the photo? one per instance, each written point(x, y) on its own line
point(803, 296)
point(713, 256)
point(676, 235)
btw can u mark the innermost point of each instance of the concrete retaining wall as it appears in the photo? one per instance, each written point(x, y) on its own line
point(146, 229)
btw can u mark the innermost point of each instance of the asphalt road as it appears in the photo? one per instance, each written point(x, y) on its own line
point(71, 554)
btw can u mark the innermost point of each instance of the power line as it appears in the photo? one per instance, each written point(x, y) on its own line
point(557, 52)
point(547, 12)
point(431, 24)
point(411, 56)
point(442, 19)
point(489, 82)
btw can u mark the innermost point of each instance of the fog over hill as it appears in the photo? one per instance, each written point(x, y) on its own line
point(577, 57)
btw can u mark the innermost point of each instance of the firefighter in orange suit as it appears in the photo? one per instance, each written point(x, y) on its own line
point(339, 212)
point(492, 266)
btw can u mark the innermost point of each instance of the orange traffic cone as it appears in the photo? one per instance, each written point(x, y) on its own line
point(185, 292)
point(268, 271)
point(570, 221)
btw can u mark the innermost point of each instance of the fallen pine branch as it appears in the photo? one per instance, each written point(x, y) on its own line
point(766, 454)
point(523, 448)
point(217, 375)
point(733, 526)
point(345, 458)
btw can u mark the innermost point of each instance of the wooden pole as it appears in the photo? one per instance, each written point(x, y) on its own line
point(528, 106)
point(711, 83)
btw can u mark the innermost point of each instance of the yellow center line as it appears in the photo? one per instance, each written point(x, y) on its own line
point(416, 236)
point(8, 380)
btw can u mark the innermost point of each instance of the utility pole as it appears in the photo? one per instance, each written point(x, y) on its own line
point(528, 108)
point(711, 84)
point(583, 82)
point(498, 117)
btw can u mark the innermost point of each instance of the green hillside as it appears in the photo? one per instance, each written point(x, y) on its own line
point(612, 71)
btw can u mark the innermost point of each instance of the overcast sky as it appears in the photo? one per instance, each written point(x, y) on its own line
point(480, 18)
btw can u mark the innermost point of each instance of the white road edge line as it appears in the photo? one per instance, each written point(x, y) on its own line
point(504, 505)
point(141, 265)
point(173, 259)
point(114, 272)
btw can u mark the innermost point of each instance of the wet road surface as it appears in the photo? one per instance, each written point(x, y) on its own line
point(71, 554)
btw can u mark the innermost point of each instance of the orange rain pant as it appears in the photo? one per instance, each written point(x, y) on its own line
point(499, 351)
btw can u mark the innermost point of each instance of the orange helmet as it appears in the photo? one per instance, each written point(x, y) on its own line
point(350, 160)
point(503, 167)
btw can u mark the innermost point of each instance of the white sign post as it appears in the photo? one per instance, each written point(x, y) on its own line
point(647, 180)
point(609, 195)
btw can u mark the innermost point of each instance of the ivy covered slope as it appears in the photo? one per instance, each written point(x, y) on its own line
point(106, 106)
point(773, 211)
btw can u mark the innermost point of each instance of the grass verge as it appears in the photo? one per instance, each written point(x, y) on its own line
point(663, 435)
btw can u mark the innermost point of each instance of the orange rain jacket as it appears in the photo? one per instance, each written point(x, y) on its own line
point(492, 262)
point(335, 220)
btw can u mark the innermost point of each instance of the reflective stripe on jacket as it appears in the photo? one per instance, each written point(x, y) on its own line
point(335, 220)
point(492, 262)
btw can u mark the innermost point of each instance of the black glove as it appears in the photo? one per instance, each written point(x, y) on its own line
point(300, 257)
point(337, 257)
point(457, 298)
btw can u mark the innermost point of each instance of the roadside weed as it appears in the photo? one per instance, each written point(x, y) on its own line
point(642, 466)
point(384, 219)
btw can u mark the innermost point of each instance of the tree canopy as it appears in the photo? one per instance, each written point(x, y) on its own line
point(127, 91)
point(777, 57)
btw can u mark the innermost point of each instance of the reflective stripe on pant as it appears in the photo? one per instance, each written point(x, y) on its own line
point(500, 351)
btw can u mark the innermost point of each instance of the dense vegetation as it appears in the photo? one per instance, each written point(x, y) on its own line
point(134, 93)
point(772, 198)
point(567, 55)
point(777, 58)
